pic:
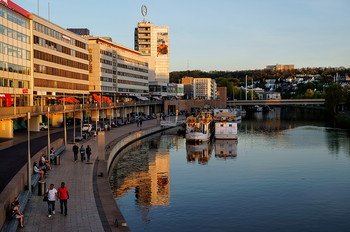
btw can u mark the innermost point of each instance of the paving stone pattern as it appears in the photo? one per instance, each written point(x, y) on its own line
point(82, 210)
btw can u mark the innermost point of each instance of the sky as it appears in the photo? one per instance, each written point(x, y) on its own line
point(225, 35)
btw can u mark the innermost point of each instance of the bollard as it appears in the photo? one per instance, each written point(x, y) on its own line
point(57, 160)
point(41, 188)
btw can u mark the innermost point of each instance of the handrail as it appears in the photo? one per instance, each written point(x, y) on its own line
point(21, 111)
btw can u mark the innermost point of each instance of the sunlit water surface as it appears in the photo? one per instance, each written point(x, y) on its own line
point(286, 173)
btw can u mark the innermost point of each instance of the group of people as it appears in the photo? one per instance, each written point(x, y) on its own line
point(54, 195)
point(82, 152)
point(44, 164)
point(139, 122)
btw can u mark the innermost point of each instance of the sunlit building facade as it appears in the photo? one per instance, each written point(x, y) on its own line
point(116, 70)
point(153, 42)
point(61, 63)
point(204, 88)
point(15, 56)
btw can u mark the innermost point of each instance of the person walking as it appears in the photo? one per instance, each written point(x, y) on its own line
point(75, 151)
point(140, 122)
point(88, 153)
point(51, 199)
point(82, 153)
point(63, 195)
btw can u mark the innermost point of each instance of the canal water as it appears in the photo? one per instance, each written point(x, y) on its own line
point(287, 172)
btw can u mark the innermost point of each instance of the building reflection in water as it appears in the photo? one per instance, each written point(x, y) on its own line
point(145, 169)
point(226, 149)
point(199, 152)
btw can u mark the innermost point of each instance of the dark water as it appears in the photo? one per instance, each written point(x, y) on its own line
point(288, 172)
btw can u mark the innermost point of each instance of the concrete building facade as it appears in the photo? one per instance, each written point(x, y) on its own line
point(281, 67)
point(153, 42)
point(204, 88)
point(61, 63)
point(116, 70)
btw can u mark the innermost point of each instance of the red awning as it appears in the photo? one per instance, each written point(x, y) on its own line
point(107, 99)
point(97, 98)
point(69, 99)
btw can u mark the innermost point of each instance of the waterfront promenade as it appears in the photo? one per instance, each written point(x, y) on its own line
point(83, 207)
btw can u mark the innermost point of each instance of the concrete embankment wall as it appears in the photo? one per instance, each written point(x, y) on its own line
point(19, 182)
point(125, 141)
point(113, 215)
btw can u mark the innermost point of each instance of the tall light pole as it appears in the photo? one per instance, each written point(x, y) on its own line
point(74, 127)
point(29, 163)
point(65, 125)
point(48, 132)
point(246, 87)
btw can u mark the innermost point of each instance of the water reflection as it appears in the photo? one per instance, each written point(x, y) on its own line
point(199, 153)
point(226, 149)
point(145, 171)
point(284, 174)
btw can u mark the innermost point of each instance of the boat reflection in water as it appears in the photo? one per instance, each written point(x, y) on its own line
point(199, 152)
point(226, 149)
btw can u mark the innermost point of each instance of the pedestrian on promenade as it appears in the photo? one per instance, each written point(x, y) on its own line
point(140, 122)
point(51, 194)
point(82, 153)
point(95, 133)
point(63, 195)
point(88, 153)
point(75, 151)
point(137, 122)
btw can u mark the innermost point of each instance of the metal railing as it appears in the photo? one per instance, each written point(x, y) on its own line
point(21, 111)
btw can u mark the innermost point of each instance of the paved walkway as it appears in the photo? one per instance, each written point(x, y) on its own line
point(82, 209)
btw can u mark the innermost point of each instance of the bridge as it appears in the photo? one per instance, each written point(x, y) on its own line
point(276, 102)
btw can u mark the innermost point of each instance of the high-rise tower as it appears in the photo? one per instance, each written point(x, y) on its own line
point(153, 42)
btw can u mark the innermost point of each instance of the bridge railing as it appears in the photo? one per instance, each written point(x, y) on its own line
point(278, 102)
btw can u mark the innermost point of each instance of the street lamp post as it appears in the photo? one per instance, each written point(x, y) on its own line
point(29, 163)
point(48, 132)
point(74, 127)
point(65, 125)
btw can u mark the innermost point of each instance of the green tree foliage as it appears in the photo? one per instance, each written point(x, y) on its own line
point(309, 93)
point(334, 95)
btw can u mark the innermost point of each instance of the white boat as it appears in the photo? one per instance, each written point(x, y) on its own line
point(226, 126)
point(199, 128)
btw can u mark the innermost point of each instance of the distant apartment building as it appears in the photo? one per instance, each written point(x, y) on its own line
point(61, 63)
point(153, 42)
point(15, 56)
point(79, 31)
point(269, 95)
point(204, 88)
point(188, 87)
point(116, 70)
point(281, 67)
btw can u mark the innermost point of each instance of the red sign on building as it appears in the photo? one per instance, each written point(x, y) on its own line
point(24, 90)
point(15, 7)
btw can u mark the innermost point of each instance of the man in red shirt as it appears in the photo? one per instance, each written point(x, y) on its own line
point(63, 195)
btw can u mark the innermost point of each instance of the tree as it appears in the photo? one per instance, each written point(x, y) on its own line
point(333, 96)
point(309, 93)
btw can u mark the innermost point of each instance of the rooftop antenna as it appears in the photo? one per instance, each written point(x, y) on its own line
point(144, 12)
point(38, 7)
point(48, 11)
